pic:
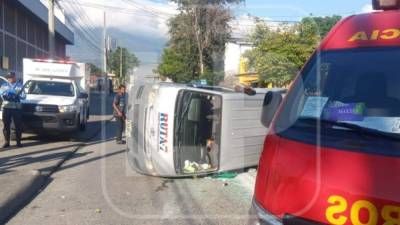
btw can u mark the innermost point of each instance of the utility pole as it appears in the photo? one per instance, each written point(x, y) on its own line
point(120, 64)
point(52, 36)
point(105, 44)
point(105, 51)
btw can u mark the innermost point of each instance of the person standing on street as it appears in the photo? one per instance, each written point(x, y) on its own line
point(12, 94)
point(119, 112)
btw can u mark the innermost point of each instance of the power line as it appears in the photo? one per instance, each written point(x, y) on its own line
point(163, 15)
point(80, 21)
point(145, 9)
point(80, 33)
point(84, 35)
point(90, 24)
point(136, 11)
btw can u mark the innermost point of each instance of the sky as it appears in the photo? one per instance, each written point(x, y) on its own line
point(296, 9)
point(141, 25)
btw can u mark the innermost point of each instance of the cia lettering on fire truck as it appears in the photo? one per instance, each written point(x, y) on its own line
point(340, 211)
point(387, 34)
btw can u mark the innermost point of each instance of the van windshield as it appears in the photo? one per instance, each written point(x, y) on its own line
point(343, 90)
point(197, 132)
point(49, 88)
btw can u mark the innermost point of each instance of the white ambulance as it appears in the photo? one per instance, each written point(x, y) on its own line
point(57, 95)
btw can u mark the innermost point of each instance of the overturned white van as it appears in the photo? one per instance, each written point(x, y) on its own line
point(179, 130)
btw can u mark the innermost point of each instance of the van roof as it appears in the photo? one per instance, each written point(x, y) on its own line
point(208, 89)
point(377, 29)
point(218, 90)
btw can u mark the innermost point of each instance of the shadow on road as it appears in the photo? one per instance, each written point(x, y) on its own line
point(91, 159)
point(39, 153)
point(9, 163)
point(82, 136)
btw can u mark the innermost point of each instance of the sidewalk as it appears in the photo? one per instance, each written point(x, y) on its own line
point(24, 171)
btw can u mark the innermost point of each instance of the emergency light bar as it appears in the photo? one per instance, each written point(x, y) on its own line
point(53, 61)
point(386, 4)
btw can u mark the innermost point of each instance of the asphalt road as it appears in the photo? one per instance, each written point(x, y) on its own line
point(42, 152)
point(98, 187)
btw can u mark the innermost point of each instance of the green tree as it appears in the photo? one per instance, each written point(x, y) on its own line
point(122, 57)
point(197, 38)
point(321, 26)
point(95, 70)
point(176, 66)
point(278, 55)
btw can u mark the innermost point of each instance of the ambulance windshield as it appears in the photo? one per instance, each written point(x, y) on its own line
point(49, 88)
point(358, 87)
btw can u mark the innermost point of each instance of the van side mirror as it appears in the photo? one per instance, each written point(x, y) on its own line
point(83, 95)
point(271, 104)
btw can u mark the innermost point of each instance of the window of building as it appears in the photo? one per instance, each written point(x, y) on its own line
point(38, 54)
point(31, 31)
point(9, 15)
point(21, 53)
point(10, 52)
point(46, 40)
point(21, 24)
point(31, 52)
point(1, 14)
point(1, 44)
point(39, 37)
point(60, 48)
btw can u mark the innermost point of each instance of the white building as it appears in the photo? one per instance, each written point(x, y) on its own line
point(236, 64)
point(234, 51)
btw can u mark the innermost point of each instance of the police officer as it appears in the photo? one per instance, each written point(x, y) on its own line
point(12, 94)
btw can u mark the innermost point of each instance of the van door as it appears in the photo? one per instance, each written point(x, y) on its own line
point(197, 132)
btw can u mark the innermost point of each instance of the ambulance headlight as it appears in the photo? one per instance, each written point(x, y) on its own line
point(386, 4)
point(67, 108)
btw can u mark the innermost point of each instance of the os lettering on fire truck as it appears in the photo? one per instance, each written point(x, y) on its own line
point(163, 132)
point(387, 34)
point(340, 212)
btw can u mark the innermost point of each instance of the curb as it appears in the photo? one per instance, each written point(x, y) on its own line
point(22, 195)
